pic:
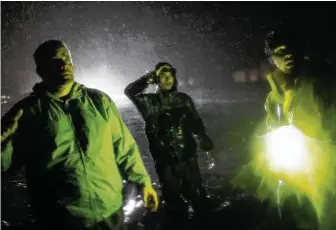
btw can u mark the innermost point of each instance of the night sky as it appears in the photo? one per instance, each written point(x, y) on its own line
point(114, 43)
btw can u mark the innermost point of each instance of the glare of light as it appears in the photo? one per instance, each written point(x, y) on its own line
point(106, 80)
point(131, 206)
point(139, 204)
point(226, 204)
point(286, 150)
point(279, 111)
point(211, 165)
point(303, 167)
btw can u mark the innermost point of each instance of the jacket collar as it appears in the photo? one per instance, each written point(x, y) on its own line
point(76, 91)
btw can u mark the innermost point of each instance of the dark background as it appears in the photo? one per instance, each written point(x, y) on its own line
point(114, 43)
point(205, 41)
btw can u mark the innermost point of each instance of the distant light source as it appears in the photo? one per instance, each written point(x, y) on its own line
point(239, 76)
point(106, 80)
point(254, 75)
point(4, 99)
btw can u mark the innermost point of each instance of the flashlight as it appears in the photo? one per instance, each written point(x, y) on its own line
point(286, 150)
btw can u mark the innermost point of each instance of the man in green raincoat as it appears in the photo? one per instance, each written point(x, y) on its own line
point(75, 147)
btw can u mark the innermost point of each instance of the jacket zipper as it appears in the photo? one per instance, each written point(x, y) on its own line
point(92, 201)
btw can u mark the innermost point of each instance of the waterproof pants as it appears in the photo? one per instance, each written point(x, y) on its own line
point(182, 182)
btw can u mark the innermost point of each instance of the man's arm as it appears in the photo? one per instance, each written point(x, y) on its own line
point(206, 143)
point(274, 112)
point(135, 91)
point(126, 150)
point(11, 148)
point(270, 116)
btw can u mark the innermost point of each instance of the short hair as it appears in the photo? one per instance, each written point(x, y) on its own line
point(283, 35)
point(47, 49)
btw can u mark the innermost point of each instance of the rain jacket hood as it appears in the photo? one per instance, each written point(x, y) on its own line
point(76, 91)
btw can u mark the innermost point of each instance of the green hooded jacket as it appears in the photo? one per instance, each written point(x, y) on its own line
point(76, 154)
point(311, 109)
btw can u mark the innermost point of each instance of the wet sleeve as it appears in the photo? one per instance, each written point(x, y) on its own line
point(136, 93)
point(205, 141)
point(12, 157)
point(270, 116)
point(127, 152)
point(272, 120)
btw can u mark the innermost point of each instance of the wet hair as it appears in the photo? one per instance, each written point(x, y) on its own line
point(46, 49)
point(160, 64)
point(283, 35)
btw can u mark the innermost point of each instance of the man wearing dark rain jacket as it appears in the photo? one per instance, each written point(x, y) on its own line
point(171, 121)
point(75, 148)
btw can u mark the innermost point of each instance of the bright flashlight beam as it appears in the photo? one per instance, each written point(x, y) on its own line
point(305, 165)
point(286, 150)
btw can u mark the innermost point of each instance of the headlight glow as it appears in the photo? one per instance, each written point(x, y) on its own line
point(107, 80)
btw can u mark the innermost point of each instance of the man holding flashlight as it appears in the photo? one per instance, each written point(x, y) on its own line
point(303, 98)
point(300, 94)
